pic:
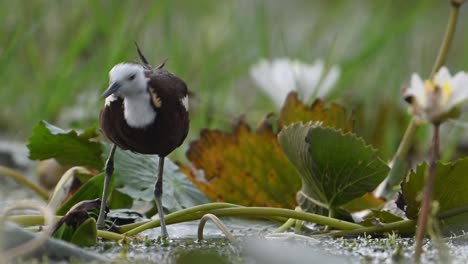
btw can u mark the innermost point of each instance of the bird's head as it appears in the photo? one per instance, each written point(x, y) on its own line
point(126, 80)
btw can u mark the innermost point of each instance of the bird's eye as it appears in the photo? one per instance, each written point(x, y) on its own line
point(131, 77)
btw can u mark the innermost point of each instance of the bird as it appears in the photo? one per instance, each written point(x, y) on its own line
point(146, 111)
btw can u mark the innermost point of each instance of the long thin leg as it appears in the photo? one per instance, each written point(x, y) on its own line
point(158, 190)
point(109, 169)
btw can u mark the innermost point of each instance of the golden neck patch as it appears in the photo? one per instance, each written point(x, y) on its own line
point(155, 99)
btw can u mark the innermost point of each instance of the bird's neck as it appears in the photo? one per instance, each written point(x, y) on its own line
point(138, 111)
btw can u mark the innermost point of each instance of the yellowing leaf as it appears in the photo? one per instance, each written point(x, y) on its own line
point(295, 110)
point(245, 167)
point(248, 166)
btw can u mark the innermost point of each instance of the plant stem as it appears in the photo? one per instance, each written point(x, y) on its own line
point(110, 235)
point(448, 38)
point(21, 179)
point(427, 198)
point(218, 223)
point(131, 230)
point(404, 226)
point(285, 226)
point(29, 220)
point(266, 212)
point(236, 210)
point(398, 170)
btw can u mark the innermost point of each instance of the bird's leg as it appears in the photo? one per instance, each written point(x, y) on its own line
point(158, 190)
point(109, 169)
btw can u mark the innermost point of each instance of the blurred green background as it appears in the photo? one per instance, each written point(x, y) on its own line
point(55, 56)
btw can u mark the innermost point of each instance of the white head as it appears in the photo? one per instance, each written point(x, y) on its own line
point(126, 80)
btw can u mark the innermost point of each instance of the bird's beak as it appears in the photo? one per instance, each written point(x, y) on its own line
point(111, 90)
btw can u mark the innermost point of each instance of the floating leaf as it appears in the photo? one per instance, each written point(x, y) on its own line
point(450, 188)
point(67, 147)
point(78, 226)
point(86, 234)
point(295, 110)
point(335, 167)
point(244, 167)
point(135, 175)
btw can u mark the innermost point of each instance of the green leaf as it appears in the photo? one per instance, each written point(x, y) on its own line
point(450, 188)
point(335, 167)
point(118, 200)
point(88, 191)
point(67, 147)
point(78, 226)
point(380, 217)
point(64, 186)
point(135, 175)
point(86, 234)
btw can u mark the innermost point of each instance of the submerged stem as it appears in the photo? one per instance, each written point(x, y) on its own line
point(425, 211)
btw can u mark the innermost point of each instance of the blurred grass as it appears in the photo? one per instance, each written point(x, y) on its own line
point(53, 51)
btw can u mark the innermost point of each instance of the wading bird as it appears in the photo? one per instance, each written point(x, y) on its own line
point(145, 111)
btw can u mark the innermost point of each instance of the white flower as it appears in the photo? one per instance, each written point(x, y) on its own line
point(280, 76)
point(433, 100)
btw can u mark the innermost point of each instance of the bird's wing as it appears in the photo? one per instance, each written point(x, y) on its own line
point(165, 86)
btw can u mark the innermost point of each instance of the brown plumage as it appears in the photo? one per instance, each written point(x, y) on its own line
point(170, 127)
point(146, 111)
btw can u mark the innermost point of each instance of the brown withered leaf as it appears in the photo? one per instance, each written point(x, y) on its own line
point(294, 110)
point(244, 167)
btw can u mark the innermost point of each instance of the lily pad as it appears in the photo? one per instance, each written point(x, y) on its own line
point(135, 175)
point(67, 147)
point(335, 167)
point(450, 188)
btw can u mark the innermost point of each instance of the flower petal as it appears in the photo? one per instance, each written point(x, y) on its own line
point(416, 90)
point(309, 78)
point(442, 76)
point(329, 81)
point(459, 85)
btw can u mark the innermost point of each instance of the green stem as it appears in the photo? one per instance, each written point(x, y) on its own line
point(29, 220)
point(235, 210)
point(265, 212)
point(285, 226)
point(403, 227)
point(110, 235)
point(452, 212)
point(398, 170)
point(132, 230)
point(298, 226)
point(21, 179)
point(447, 41)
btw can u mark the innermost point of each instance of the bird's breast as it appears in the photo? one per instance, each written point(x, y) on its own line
point(166, 131)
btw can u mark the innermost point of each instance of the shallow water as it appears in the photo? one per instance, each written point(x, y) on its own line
point(255, 245)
